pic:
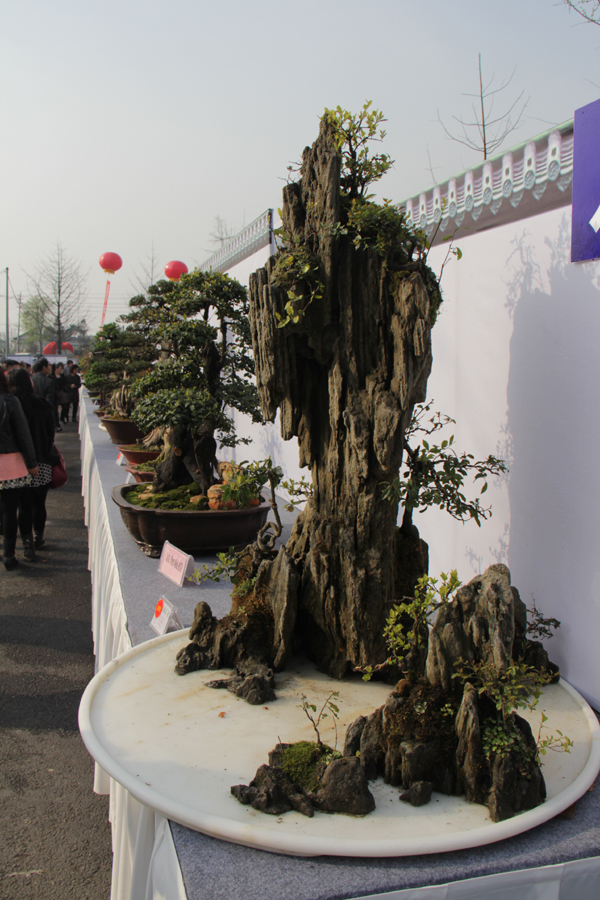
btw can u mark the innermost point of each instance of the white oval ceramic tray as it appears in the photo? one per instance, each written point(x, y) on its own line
point(178, 746)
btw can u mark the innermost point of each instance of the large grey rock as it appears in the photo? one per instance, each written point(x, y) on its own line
point(345, 378)
point(372, 752)
point(515, 787)
point(344, 789)
point(353, 736)
point(479, 624)
point(472, 776)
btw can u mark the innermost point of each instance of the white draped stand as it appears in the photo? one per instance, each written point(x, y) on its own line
point(155, 859)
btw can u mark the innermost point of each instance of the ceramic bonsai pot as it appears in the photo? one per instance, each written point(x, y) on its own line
point(140, 477)
point(135, 457)
point(122, 431)
point(197, 533)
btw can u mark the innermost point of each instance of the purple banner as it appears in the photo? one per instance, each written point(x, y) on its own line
point(585, 228)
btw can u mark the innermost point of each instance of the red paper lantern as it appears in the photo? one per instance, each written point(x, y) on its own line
point(110, 262)
point(175, 269)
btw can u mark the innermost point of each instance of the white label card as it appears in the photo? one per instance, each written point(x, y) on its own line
point(175, 564)
point(165, 618)
point(122, 460)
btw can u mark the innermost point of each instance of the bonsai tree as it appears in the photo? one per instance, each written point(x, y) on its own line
point(199, 327)
point(119, 356)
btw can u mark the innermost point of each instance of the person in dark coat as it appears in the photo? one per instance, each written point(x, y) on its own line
point(59, 396)
point(72, 385)
point(15, 437)
point(32, 506)
point(43, 386)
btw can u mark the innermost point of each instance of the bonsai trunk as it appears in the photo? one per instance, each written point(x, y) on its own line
point(188, 456)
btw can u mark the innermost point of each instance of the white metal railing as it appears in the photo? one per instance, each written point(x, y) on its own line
point(252, 238)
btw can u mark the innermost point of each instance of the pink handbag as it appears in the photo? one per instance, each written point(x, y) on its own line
point(12, 465)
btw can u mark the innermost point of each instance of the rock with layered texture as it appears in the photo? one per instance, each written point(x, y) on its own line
point(345, 379)
point(479, 624)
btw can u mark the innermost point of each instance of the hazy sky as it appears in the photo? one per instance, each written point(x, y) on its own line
point(126, 123)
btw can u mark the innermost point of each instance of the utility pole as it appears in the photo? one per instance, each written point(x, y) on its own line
point(19, 301)
point(7, 336)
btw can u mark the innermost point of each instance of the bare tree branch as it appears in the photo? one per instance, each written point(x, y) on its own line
point(60, 285)
point(150, 272)
point(587, 9)
point(222, 232)
point(490, 132)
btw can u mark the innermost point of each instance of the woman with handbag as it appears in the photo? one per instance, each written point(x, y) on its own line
point(32, 506)
point(18, 466)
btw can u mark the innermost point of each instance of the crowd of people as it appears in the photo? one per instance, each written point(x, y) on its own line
point(33, 403)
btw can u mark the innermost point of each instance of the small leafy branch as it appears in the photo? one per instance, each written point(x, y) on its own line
point(539, 627)
point(297, 271)
point(353, 135)
point(519, 686)
point(225, 568)
point(329, 708)
point(435, 474)
point(300, 491)
point(559, 744)
point(402, 638)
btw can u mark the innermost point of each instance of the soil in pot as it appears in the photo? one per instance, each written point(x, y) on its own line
point(184, 498)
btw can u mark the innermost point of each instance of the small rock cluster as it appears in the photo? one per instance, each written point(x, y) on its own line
point(340, 786)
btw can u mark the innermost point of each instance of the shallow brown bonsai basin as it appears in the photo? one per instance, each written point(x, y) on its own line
point(197, 533)
point(122, 431)
point(140, 477)
point(135, 457)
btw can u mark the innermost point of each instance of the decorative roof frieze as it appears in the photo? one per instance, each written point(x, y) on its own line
point(524, 181)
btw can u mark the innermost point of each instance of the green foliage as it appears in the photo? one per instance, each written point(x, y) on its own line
point(435, 474)
point(518, 686)
point(120, 357)
point(559, 743)
point(246, 484)
point(400, 636)
point(382, 228)
point(498, 737)
point(539, 627)
point(225, 568)
point(300, 491)
point(329, 708)
point(297, 271)
point(353, 134)
point(199, 327)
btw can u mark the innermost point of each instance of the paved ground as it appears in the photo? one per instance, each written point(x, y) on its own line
point(54, 832)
